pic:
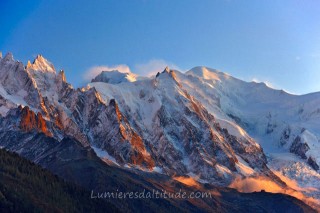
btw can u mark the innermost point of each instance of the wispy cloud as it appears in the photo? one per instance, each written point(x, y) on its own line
point(153, 66)
point(96, 70)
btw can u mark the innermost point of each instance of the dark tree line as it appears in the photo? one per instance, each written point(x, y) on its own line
point(26, 187)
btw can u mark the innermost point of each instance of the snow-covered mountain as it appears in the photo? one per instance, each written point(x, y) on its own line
point(178, 132)
point(285, 125)
point(204, 124)
point(115, 77)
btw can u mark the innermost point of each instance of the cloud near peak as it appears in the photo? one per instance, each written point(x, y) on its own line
point(96, 70)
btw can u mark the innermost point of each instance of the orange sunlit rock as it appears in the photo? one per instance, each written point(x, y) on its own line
point(189, 181)
point(30, 121)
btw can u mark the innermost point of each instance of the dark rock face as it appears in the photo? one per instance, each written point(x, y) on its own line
point(30, 121)
point(285, 136)
point(299, 148)
point(312, 162)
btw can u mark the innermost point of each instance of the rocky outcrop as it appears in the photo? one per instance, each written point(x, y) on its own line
point(18, 84)
point(62, 76)
point(313, 163)
point(299, 148)
point(30, 121)
point(285, 136)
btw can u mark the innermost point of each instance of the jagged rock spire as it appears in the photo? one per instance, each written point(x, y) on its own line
point(28, 64)
point(166, 69)
point(42, 64)
point(8, 57)
point(62, 76)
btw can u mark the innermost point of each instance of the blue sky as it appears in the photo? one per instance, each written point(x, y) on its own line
point(273, 41)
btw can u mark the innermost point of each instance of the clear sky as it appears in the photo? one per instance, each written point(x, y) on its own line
point(277, 41)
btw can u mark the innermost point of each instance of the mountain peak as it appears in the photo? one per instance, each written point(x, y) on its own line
point(41, 64)
point(167, 76)
point(28, 64)
point(114, 77)
point(166, 69)
point(8, 57)
point(169, 72)
point(208, 73)
point(62, 75)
